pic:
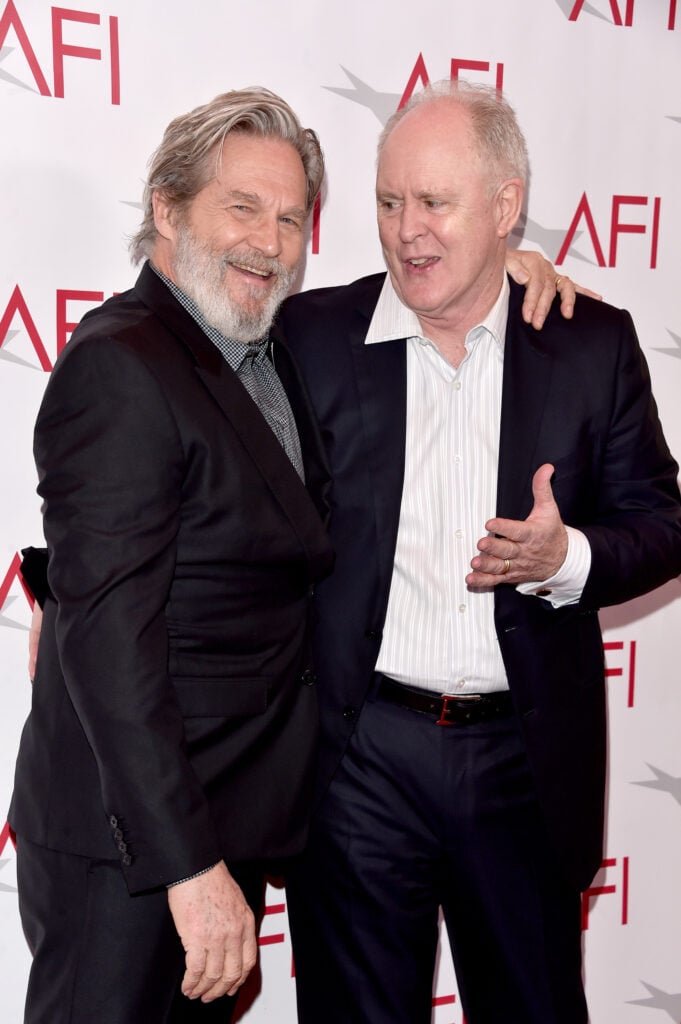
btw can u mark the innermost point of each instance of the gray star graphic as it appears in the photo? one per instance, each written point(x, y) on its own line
point(10, 623)
point(382, 104)
point(9, 357)
point(135, 206)
point(677, 119)
point(5, 75)
point(567, 6)
point(549, 239)
point(3, 887)
point(674, 352)
point(660, 1000)
point(667, 783)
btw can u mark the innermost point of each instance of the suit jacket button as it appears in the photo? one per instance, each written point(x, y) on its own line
point(117, 834)
point(349, 713)
point(126, 859)
point(113, 821)
point(308, 677)
point(122, 846)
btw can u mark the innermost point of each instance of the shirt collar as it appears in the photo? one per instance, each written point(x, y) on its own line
point(234, 352)
point(393, 320)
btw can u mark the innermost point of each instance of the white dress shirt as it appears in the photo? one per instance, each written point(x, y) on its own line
point(438, 634)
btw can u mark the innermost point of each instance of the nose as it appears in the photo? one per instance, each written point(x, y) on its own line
point(411, 222)
point(266, 235)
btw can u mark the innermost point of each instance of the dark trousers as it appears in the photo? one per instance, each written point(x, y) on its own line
point(421, 816)
point(101, 956)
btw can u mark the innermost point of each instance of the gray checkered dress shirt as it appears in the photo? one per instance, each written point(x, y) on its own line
point(254, 368)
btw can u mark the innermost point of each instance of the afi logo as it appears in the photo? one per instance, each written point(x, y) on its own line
point(420, 74)
point(448, 1000)
point(17, 311)
point(626, 667)
point(628, 6)
point(106, 36)
point(617, 228)
point(11, 576)
point(6, 836)
point(272, 909)
point(611, 880)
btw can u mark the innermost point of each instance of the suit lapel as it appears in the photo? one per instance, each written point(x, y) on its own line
point(381, 372)
point(239, 409)
point(527, 374)
point(317, 474)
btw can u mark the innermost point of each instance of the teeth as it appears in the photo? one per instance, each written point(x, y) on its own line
point(252, 270)
point(419, 262)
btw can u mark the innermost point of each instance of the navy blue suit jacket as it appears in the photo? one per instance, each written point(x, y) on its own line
point(576, 394)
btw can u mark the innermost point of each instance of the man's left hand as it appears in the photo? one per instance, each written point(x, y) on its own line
point(542, 281)
point(523, 551)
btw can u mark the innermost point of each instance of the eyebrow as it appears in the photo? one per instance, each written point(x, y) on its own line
point(253, 197)
point(425, 193)
point(249, 197)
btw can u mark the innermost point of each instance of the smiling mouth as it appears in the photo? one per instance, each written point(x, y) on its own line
point(422, 261)
point(256, 271)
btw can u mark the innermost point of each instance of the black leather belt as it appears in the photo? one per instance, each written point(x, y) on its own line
point(448, 709)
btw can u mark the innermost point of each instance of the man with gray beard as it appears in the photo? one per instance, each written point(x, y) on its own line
point(167, 760)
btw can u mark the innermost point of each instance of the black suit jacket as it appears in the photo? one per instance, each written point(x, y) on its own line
point(172, 706)
point(576, 394)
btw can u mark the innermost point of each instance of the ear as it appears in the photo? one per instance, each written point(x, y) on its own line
point(165, 216)
point(508, 204)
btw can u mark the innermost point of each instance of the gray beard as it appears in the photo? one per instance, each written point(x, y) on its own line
point(199, 271)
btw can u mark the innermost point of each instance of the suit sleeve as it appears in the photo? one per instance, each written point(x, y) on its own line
point(635, 536)
point(111, 468)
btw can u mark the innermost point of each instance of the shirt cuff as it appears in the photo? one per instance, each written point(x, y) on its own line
point(205, 871)
point(565, 586)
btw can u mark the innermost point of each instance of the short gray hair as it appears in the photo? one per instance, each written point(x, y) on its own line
point(501, 143)
point(183, 164)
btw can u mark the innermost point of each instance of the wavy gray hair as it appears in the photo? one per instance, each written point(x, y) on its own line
point(191, 150)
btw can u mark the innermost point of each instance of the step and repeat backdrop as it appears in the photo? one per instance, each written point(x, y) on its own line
point(85, 93)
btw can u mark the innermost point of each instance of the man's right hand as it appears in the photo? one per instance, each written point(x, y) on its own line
point(217, 929)
point(33, 638)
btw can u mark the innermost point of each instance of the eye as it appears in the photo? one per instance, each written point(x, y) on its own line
point(388, 205)
point(433, 204)
point(292, 221)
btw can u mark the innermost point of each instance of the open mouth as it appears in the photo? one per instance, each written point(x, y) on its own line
point(245, 268)
point(422, 261)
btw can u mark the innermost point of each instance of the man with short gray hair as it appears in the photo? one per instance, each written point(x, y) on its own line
point(493, 486)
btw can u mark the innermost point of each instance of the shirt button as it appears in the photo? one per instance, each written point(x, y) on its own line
point(462, 607)
point(459, 534)
point(457, 385)
point(460, 683)
point(457, 459)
